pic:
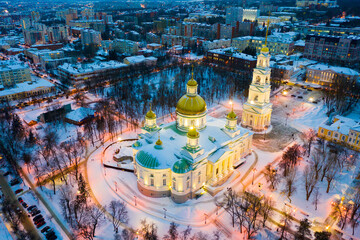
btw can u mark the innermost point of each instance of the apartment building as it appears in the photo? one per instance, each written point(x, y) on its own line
point(330, 48)
point(90, 36)
point(12, 73)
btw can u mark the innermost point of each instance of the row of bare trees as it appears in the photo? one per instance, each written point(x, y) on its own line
point(248, 211)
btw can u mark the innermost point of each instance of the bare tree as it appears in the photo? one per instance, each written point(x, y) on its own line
point(96, 218)
point(290, 188)
point(330, 175)
point(341, 211)
point(285, 223)
point(229, 201)
point(267, 209)
point(185, 235)
point(316, 197)
point(148, 230)
point(309, 180)
point(317, 161)
point(309, 137)
point(271, 176)
point(119, 214)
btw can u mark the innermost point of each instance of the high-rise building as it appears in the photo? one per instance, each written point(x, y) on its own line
point(251, 14)
point(90, 36)
point(233, 15)
point(35, 16)
point(34, 37)
point(88, 13)
point(58, 33)
point(257, 110)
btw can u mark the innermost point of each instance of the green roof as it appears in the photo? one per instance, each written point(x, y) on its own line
point(146, 160)
point(181, 166)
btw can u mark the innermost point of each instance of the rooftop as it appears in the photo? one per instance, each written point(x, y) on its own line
point(174, 141)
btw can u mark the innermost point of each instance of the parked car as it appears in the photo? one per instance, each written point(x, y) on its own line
point(7, 173)
point(52, 237)
point(31, 208)
point(39, 220)
point(24, 204)
point(293, 95)
point(38, 217)
point(19, 191)
point(49, 233)
point(45, 229)
point(20, 200)
point(300, 97)
point(14, 181)
point(36, 212)
point(309, 90)
point(40, 224)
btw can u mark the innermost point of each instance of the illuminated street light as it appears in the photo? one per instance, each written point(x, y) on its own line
point(311, 99)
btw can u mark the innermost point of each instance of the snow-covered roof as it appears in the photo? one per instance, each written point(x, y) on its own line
point(341, 124)
point(27, 86)
point(11, 65)
point(339, 70)
point(174, 141)
point(80, 114)
point(92, 67)
point(232, 51)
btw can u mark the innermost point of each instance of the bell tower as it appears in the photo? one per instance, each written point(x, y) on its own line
point(257, 110)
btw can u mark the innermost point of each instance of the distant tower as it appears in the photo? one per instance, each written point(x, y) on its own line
point(257, 110)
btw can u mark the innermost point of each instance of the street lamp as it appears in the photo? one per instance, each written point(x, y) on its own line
point(135, 200)
point(205, 215)
point(164, 212)
point(254, 170)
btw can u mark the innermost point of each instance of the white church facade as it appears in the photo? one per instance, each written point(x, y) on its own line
point(194, 152)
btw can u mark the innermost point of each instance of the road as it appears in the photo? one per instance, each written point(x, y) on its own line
point(26, 221)
point(45, 203)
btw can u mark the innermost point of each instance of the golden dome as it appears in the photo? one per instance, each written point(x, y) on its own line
point(192, 133)
point(231, 115)
point(192, 82)
point(150, 114)
point(158, 142)
point(265, 49)
point(191, 105)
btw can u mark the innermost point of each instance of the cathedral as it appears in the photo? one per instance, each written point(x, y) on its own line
point(195, 152)
point(198, 152)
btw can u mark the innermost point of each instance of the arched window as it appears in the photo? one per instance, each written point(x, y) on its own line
point(151, 180)
point(257, 79)
point(199, 177)
point(267, 80)
point(256, 98)
point(164, 179)
point(174, 183)
point(188, 183)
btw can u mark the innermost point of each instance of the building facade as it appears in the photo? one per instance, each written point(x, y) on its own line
point(341, 130)
point(257, 110)
point(332, 48)
point(12, 73)
point(229, 57)
point(196, 152)
point(326, 75)
point(90, 36)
